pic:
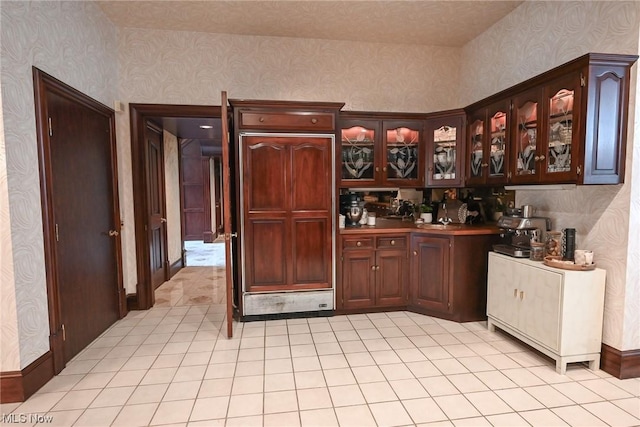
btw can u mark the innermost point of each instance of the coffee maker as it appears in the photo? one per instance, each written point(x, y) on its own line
point(518, 232)
point(351, 206)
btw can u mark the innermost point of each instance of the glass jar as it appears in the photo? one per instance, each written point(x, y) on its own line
point(537, 251)
point(553, 245)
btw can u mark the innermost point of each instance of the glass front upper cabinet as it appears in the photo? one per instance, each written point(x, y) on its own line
point(445, 139)
point(560, 131)
point(402, 162)
point(476, 150)
point(498, 146)
point(358, 153)
point(526, 136)
point(401, 145)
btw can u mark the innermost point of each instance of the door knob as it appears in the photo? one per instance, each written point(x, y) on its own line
point(113, 233)
point(163, 220)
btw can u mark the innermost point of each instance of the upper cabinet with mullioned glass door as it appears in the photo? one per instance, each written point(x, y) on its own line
point(359, 152)
point(444, 133)
point(546, 141)
point(488, 136)
point(403, 165)
point(380, 153)
point(567, 125)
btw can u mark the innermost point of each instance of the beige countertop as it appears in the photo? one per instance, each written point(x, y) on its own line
point(399, 226)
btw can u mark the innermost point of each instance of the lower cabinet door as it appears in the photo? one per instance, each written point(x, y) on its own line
point(503, 290)
point(391, 277)
point(539, 299)
point(430, 278)
point(358, 279)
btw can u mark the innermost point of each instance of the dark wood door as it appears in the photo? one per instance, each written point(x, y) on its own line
point(225, 166)
point(156, 216)
point(192, 180)
point(287, 212)
point(358, 278)
point(429, 282)
point(391, 277)
point(216, 181)
point(86, 232)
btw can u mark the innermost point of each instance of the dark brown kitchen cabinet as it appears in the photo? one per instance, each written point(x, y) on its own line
point(381, 150)
point(448, 275)
point(430, 273)
point(285, 180)
point(546, 142)
point(287, 212)
point(374, 271)
point(488, 137)
point(445, 149)
point(567, 125)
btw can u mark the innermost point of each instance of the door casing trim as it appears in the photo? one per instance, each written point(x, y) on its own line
point(43, 83)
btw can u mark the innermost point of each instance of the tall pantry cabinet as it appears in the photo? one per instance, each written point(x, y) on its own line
point(285, 170)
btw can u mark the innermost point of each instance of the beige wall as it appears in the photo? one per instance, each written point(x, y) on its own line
point(172, 67)
point(538, 36)
point(76, 43)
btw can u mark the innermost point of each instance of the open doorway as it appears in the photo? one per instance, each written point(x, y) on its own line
point(198, 129)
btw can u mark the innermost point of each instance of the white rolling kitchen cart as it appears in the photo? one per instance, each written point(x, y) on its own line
point(558, 312)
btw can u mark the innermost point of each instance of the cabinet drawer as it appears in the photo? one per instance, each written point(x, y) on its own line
point(287, 120)
point(357, 243)
point(391, 242)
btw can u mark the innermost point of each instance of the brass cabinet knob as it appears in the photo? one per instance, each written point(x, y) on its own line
point(384, 169)
point(163, 220)
point(358, 243)
point(536, 158)
point(377, 169)
point(485, 165)
point(393, 242)
point(373, 267)
point(314, 120)
point(542, 157)
point(261, 119)
point(415, 253)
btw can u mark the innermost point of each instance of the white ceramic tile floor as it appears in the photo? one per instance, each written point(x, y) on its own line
point(173, 366)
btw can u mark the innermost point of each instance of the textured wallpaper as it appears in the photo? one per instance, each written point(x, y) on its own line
point(9, 353)
point(534, 38)
point(74, 42)
point(172, 189)
point(172, 67)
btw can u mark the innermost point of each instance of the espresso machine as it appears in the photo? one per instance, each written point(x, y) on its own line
point(518, 232)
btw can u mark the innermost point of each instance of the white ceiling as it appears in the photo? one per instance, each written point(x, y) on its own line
point(450, 23)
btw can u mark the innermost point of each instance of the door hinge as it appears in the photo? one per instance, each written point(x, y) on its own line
point(50, 127)
point(64, 333)
point(583, 81)
point(57, 234)
point(228, 236)
point(579, 170)
point(448, 305)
